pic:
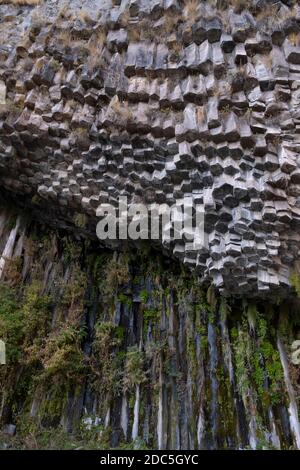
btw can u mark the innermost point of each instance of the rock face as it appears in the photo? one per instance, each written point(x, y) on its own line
point(158, 100)
point(111, 350)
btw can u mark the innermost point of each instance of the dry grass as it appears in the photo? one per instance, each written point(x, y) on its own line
point(270, 12)
point(96, 45)
point(81, 137)
point(200, 114)
point(125, 18)
point(37, 19)
point(248, 114)
point(240, 5)
point(11, 108)
point(65, 37)
point(175, 47)
point(273, 14)
point(2, 93)
point(190, 10)
point(119, 113)
point(80, 132)
point(80, 220)
point(221, 89)
point(84, 17)
point(120, 109)
point(215, 91)
point(225, 109)
point(134, 34)
point(13, 271)
point(144, 28)
point(267, 60)
point(22, 2)
point(294, 39)
point(171, 22)
point(141, 30)
point(93, 48)
point(64, 12)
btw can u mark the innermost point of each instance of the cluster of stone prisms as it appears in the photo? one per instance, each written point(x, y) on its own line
point(213, 115)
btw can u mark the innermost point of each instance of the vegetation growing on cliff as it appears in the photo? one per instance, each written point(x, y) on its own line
point(146, 324)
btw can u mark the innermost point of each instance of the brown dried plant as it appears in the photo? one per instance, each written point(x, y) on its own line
point(294, 39)
point(190, 10)
point(120, 109)
point(22, 2)
point(95, 46)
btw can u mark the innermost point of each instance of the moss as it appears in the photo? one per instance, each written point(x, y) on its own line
point(150, 316)
point(56, 439)
point(242, 355)
point(201, 309)
point(72, 251)
point(211, 298)
point(125, 300)
point(295, 282)
point(35, 309)
point(13, 271)
point(80, 220)
point(252, 314)
point(36, 199)
point(192, 363)
point(134, 368)
point(32, 436)
point(144, 296)
point(204, 344)
point(272, 365)
point(95, 435)
point(258, 375)
point(24, 321)
point(257, 361)
point(11, 323)
point(51, 408)
point(106, 363)
point(62, 356)
point(75, 287)
point(112, 273)
point(224, 309)
point(137, 444)
point(98, 264)
point(211, 317)
point(51, 363)
point(27, 425)
point(227, 431)
point(12, 221)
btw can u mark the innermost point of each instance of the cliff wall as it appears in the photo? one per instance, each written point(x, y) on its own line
point(149, 344)
point(107, 350)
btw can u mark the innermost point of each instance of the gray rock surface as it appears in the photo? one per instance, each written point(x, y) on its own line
point(156, 102)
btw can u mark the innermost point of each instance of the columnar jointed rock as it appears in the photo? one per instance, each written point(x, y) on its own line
point(156, 102)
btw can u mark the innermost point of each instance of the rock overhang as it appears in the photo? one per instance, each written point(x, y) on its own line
point(149, 101)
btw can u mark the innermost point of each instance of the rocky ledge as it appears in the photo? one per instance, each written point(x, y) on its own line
point(158, 100)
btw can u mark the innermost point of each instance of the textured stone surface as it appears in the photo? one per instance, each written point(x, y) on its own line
point(155, 102)
point(208, 372)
